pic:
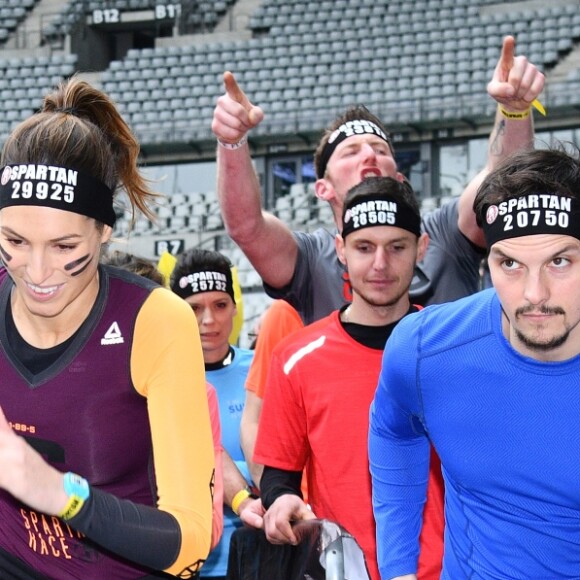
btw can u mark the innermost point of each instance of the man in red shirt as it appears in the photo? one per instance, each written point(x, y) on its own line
point(322, 380)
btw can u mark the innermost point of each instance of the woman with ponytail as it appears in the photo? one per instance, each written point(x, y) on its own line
point(106, 455)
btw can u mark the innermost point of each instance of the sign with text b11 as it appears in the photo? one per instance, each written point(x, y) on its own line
point(172, 246)
point(163, 11)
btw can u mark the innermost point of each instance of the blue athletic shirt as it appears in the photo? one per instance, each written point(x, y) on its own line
point(507, 430)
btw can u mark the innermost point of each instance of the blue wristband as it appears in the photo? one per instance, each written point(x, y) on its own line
point(78, 491)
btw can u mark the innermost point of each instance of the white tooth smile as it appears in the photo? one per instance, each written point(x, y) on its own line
point(40, 290)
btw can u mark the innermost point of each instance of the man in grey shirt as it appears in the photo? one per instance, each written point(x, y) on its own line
point(302, 268)
point(449, 270)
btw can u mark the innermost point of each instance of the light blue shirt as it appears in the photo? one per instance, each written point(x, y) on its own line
point(229, 383)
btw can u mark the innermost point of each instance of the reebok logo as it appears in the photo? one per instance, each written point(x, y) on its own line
point(113, 335)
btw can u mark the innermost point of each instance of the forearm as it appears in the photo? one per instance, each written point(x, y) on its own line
point(142, 534)
point(246, 505)
point(248, 433)
point(514, 86)
point(145, 535)
point(248, 442)
point(399, 492)
point(234, 481)
point(277, 482)
point(264, 239)
point(507, 137)
point(238, 191)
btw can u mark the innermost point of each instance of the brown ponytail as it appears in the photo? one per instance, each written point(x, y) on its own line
point(80, 127)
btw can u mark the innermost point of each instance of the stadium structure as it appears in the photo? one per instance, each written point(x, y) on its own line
point(421, 65)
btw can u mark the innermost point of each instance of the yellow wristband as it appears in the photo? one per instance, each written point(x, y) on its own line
point(238, 499)
point(539, 107)
point(518, 116)
point(72, 508)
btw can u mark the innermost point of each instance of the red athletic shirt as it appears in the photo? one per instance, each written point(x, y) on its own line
point(316, 415)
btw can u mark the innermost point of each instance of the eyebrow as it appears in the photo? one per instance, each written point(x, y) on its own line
point(392, 241)
point(498, 253)
point(374, 141)
point(67, 237)
point(573, 248)
point(569, 249)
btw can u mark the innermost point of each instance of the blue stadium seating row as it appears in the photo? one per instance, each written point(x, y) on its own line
point(422, 68)
point(185, 212)
point(12, 13)
point(24, 82)
point(405, 71)
point(191, 16)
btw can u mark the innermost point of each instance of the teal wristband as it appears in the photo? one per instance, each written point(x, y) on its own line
point(78, 491)
point(76, 485)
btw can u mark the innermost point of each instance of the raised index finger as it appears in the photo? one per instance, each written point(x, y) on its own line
point(234, 92)
point(506, 60)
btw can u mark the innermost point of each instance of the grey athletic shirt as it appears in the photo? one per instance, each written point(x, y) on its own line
point(450, 269)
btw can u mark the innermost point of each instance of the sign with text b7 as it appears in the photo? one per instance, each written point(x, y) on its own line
point(172, 246)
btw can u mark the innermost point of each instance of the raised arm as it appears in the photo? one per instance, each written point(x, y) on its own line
point(516, 83)
point(267, 242)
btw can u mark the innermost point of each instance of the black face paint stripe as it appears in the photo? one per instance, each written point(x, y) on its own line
point(82, 269)
point(74, 264)
point(5, 255)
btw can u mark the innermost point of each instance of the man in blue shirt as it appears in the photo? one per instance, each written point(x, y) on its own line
point(491, 381)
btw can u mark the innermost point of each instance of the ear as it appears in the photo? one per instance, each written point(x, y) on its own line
point(339, 245)
point(400, 177)
point(324, 189)
point(422, 245)
point(106, 234)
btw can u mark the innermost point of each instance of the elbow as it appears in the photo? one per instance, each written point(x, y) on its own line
point(242, 229)
point(469, 228)
point(196, 542)
point(189, 563)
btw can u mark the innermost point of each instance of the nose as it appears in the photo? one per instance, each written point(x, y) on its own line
point(206, 317)
point(536, 289)
point(38, 267)
point(368, 153)
point(380, 260)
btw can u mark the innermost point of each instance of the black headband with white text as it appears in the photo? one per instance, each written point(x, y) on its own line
point(379, 210)
point(346, 130)
point(204, 281)
point(57, 187)
point(539, 213)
